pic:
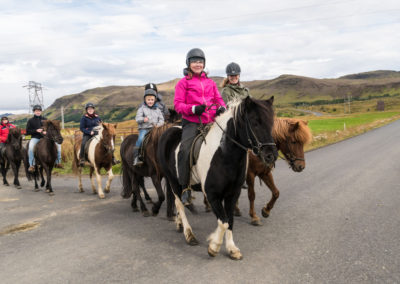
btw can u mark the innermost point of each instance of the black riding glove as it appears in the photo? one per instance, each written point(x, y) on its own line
point(198, 110)
point(220, 110)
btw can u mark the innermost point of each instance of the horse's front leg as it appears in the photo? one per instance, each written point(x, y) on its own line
point(49, 188)
point(40, 169)
point(80, 187)
point(216, 238)
point(255, 220)
point(160, 193)
point(99, 187)
point(269, 181)
point(146, 194)
point(233, 250)
point(109, 180)
point(136, 194)
point(15, 167)
point(94, 190)
point(4, 173)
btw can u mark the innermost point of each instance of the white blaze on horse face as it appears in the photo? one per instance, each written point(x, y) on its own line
point(208, 149)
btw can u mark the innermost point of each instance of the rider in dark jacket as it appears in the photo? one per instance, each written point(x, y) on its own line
point(88, 122)
point(34, 127)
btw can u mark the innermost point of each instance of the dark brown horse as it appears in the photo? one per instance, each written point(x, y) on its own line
point(12, 156)
point(290, 136)
point(100, 150)
point(133, 176)
point(45, 153)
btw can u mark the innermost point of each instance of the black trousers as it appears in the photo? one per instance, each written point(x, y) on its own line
point(85, 139)
point(189, 132)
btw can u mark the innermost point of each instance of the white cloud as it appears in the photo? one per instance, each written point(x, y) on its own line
point(70, 46)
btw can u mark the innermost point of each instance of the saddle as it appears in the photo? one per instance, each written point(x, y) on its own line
point(196, 145)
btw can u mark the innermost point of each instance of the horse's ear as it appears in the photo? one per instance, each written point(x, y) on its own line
point(270, 100)
point(294, 126)
point(248, 102)
point(305, 122)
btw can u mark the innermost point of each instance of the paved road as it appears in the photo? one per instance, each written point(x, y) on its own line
point(337, 222)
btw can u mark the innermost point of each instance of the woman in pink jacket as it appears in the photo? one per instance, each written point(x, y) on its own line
point(198, 100)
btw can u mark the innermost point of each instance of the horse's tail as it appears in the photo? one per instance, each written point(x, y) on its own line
point(127, 159)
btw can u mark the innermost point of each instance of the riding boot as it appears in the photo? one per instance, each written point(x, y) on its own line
point(136, 159)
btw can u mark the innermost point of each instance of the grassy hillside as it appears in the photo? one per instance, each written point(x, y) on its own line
point(119, 103)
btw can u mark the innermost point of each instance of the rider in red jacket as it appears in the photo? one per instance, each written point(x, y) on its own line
point(4, 129)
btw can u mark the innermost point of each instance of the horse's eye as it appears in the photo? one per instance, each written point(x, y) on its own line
point(294, 142)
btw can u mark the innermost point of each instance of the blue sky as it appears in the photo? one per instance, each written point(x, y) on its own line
point(71, 46)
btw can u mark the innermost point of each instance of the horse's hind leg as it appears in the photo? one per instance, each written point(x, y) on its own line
point(170, 202)
point(134, 206)
point(43, 182)
point(109, 180)
point(255, 220)
point(146, 195)
point(160, 193)
point(187, 229)
point(269, 181)
point(80, 187)
point(136, 194)
point(49, 188)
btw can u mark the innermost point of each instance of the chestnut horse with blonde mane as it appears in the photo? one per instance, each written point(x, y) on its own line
point(100, 151)
point(290, 136)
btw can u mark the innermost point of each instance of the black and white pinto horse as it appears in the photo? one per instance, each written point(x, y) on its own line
point(221, 166)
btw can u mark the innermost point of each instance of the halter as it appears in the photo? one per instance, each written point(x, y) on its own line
point(50, 137)
point(104, 144)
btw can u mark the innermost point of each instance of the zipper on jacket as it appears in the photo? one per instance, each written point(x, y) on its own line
point(204, 100)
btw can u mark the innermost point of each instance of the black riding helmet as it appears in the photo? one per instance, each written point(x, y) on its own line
point(195, 53)
point(37, 107)
point(232, 69)
point(150, 92)
point(4, 118)
point(88, 105)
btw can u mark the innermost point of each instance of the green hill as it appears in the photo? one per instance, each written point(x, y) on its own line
point(117, 103)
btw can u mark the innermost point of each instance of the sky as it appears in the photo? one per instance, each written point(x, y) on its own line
point(71, 46)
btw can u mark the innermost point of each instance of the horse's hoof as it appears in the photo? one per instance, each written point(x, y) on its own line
point(47, 190)
point(42, 184)
point(265, 213)
point(235, 255)
point(208, 209)
point(36, 190)
point(256, 222)
point(192, 241)
point(146, 213)
point(6, 184)
point(51, 193)
point(101, 196)
point(237, 213)
point(149, 201)
point(81, 190)
point(212, 252)
point(135, 209)
point(18, 187)
point(107, 190)
point(171, 218)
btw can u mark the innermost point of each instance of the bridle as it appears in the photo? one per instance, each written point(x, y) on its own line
point(291, 158)
point(49, 135)
point(255, 146)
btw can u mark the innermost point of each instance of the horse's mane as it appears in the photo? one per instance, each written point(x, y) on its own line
point(281, 130)
point(55, 123)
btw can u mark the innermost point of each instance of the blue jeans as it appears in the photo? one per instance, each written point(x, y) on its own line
point(32, 144)
point(142, 133)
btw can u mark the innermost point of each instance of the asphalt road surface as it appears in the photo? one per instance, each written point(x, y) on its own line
point(337, 222)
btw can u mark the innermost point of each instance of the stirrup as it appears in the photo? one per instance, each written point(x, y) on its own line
point(137, 162)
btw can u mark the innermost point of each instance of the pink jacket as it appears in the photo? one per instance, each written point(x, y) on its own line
point(197, 91)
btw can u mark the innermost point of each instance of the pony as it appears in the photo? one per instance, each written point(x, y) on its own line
point(221, 166)
point(45, 154)
point(12, 156)
point(133, 176)
point(290, 136)
point(100, 150)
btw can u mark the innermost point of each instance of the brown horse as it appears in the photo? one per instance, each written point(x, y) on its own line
point(290, 136)
point(132, 176)
point(100, 150)
point(45, 153)
point(12, 156)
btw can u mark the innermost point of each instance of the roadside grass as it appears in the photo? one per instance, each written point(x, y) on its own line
point(329, 130)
